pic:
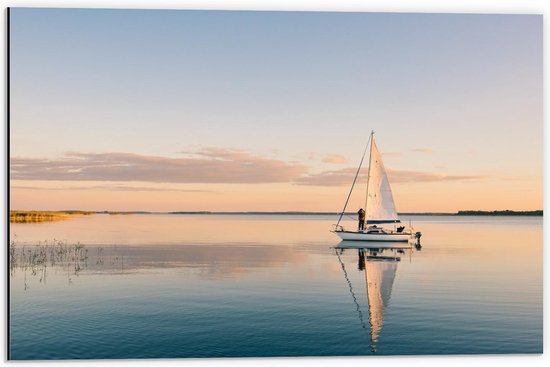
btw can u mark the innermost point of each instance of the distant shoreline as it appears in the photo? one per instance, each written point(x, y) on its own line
point(22, 216)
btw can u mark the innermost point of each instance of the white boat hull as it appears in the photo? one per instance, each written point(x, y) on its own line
point(380, 237)
point(373, 245)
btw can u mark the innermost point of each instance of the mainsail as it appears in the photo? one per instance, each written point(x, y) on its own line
point(380, 207)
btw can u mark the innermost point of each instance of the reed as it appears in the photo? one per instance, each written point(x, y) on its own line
point(35, 259)
point(34, 216)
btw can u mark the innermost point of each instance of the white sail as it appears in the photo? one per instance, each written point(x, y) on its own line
point(380, 276)
point(380, 207)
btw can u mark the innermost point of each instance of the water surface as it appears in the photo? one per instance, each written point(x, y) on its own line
point(176, 286)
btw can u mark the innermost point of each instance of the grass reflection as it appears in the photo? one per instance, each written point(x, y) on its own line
point(35, 260)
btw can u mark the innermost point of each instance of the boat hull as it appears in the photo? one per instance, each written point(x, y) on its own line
point(373, 245)
point(379, 237)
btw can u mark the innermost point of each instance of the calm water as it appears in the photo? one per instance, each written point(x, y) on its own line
point(175, 286)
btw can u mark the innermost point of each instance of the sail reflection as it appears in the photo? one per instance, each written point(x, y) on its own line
point(378, 262)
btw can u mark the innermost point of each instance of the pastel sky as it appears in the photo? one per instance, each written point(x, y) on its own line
point(168, 110)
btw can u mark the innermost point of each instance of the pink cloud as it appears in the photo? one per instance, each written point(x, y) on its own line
point(328, 178)
point(345, 177)
point(105, 188)
point(391, 154)
point(211, 165)
point(335, 159)
point(423, 150)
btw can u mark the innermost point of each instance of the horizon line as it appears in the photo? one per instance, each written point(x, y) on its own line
point(296, 212)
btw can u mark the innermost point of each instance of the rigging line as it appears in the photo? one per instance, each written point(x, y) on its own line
point(355, 179)
point(351, 291)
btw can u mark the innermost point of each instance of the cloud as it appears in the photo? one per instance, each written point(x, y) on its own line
point(210, 165)
point(335, 159)
point(391, 154)
point(419, 176)
point(423, 150)
point(106, 188)
point(345, 177)
point(328, 178)
point(221, 153)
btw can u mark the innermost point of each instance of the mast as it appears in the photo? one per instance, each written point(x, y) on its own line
point(368, 174)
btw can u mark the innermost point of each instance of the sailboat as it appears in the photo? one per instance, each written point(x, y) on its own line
point(379, 206)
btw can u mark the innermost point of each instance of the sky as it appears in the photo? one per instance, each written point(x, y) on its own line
point(166, 110)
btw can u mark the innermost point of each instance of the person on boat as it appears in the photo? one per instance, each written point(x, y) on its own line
point(361, 214)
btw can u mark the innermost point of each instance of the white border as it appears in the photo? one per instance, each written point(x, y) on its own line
point(430, 6)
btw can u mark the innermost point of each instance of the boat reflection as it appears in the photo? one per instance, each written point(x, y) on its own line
point(379, 263)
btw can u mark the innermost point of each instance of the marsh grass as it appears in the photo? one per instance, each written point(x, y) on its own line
point(33, 261)
point(34, 216)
